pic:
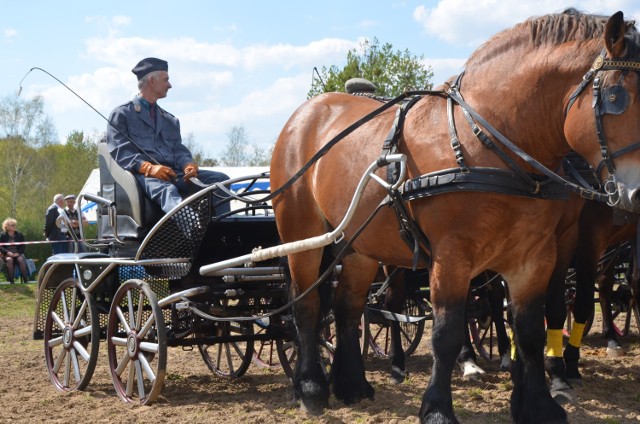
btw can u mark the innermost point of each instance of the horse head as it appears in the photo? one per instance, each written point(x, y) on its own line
point(603, 114)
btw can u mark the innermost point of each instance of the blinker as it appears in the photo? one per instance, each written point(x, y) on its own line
point(614, 100)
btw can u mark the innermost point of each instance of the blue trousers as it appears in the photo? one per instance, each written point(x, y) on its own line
point(168, 194)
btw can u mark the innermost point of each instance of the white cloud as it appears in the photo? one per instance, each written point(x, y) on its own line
point(471, 22)
point(263, 113)
point(443, 68)
point(121, 20)
point(9, 33)
point(287, 56)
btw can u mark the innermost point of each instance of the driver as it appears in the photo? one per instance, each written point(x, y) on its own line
point(146, 141)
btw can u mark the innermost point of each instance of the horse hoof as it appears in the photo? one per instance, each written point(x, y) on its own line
point(616, 352)
point(311, 409)
point(471, 371)
point(505, 363)
point(397, 376)
point(563, 397)
point(313, 398)
point(575, 382)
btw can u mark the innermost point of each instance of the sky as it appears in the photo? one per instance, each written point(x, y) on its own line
point(232, 63)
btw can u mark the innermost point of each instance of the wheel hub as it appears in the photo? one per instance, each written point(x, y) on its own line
point(132, 345)
point(67, 337)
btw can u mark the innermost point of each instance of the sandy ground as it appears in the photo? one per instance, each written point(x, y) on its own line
point(193, 394)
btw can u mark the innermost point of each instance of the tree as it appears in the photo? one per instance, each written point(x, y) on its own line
point(26, 119)
point(235, 153)
point(393, 72)
point(16, 171)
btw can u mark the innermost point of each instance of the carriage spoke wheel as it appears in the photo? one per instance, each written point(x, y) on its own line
point(137, 343)
point(71, 337)
point(267, 352)
point(229, 359)
point(379, 333)
point(288, 350)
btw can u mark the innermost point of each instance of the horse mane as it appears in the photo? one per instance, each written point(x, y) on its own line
point(552, 29)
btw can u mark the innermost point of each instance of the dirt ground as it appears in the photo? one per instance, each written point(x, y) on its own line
point(193, 394)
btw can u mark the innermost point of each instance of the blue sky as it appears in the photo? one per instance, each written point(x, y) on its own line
point(237, 62)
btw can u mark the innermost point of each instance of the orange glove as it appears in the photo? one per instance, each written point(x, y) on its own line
point(157, 171)
point(190, 171)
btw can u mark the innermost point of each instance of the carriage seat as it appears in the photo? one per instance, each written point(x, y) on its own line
point(136, 213)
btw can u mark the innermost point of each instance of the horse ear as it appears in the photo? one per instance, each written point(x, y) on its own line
point(614, 35)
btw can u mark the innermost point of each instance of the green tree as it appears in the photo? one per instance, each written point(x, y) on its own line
point(393, 72)
point(235, 153)
point(25, 118)
point(15, 173)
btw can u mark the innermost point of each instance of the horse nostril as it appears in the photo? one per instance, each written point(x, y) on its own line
point(634, 196)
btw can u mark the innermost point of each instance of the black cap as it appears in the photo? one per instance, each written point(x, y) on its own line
point(149, 64)
point(70, 197)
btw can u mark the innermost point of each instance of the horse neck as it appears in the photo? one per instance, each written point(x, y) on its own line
point(524, 95)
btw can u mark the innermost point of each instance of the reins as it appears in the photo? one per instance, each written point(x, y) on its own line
point(345, 133)
point(585, 192)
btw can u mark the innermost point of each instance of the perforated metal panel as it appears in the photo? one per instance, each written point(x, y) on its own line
point(104, 293)
point(179, 236)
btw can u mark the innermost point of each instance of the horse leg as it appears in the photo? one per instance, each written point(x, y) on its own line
point(347, 371)
point(583, 310)
point(531, 401)
point(467, 359)
point(605, 287)
point(497, 295)
point(449, 301)
point(310, 384)
point(394, 300)
point(556, 315)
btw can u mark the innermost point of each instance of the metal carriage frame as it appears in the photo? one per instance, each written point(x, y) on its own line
point(141, 289)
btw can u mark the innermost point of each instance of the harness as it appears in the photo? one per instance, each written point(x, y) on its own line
point(515, 180)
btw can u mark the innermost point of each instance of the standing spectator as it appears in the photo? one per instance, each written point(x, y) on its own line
point(74, 216)
point(52, 232)
point(13, 253)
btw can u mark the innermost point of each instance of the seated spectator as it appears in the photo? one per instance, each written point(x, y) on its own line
point(13, 253)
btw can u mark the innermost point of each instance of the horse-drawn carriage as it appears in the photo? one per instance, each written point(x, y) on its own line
point(139, 286)
point(484, 194)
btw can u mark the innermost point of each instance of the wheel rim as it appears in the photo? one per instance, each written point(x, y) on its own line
point(136, 343)
point(410, 332)
point(229, 359)
point(266, 352)
point(71, 337)
point(288, 350)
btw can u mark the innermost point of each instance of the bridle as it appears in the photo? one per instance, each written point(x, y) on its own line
point(609, 100)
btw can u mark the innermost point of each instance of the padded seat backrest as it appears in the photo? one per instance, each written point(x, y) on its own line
point(136, 213)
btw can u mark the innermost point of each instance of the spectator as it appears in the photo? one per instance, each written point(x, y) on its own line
point(13, 253)
point(56, 235)
point(74, 216)
point(145, 139)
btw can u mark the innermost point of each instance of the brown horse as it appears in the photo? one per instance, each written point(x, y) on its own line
point(527, 82)
point(584, 242)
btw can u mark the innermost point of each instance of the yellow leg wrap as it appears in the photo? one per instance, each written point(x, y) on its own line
point(554, 343)
point(513, 345)
point(576, 334)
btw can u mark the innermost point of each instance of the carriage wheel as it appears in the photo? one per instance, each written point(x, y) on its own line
point(232, 358)
point(71, 337)
point(622, 311)
point(137, 343)
point(288, 350)
point(410, 332)
point(365, 335)
point(269, 353)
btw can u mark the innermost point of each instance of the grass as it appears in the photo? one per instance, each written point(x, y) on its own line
point(17, 300)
